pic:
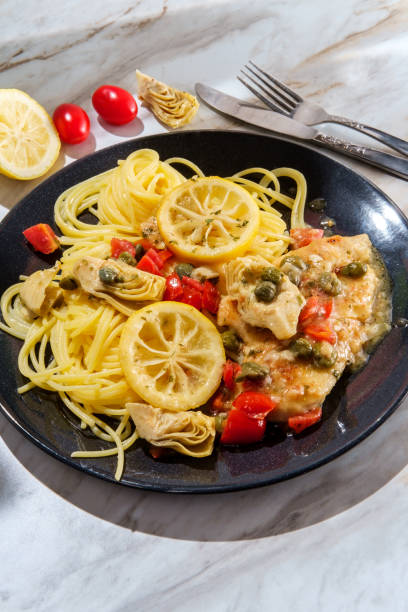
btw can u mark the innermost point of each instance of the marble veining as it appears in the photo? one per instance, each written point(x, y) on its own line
point(331, 540)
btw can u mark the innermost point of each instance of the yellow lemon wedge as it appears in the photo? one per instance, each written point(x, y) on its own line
point(172, 355)
point(29, 142)
point(208, 219)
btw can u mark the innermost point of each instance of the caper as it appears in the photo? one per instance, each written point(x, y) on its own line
point(230, 341)
point(69, 283)
point(318, 204)
point(139, 252)
point(184, 269)
point(295, 276)
point(294, 260)
point(355, 269)
point(301, 347)
point(273, 275)
point(109, 276)
point(330, 283)
point(323, 357)
point(252, 370)
point(219, 421)
point(127, 258)
point(265, 292)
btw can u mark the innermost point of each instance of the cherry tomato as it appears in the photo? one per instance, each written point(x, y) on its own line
point(114, 104)
point(72, 123)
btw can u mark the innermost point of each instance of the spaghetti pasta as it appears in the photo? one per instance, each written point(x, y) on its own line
point(82, 333)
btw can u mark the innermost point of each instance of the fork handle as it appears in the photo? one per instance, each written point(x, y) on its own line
point(385, 161)
point(391, 141)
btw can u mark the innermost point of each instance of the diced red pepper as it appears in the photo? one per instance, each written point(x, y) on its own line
point(302, 236)
point(119, 246)
point(193, 283)
point(301, 422)
point(230, 372)
point(153, 260)
point(146, 244)
point(164, 255)
point(211, 297)
point(192, 296)
point(148, 265)
point(42, 238)
point(315, 308)
point(174, 288)
point(154, 256)
point(242, 429)
point(256, 405)
point(322, 332)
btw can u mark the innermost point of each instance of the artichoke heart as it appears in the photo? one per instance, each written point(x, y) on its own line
point(38, 293)
point(187, 432)
point(279, 315)
point(171, 106)
point(121, 285)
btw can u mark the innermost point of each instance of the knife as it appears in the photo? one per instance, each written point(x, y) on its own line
point(275, 122)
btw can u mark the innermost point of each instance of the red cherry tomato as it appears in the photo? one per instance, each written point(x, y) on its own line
point(114, 104)
point(72, 123)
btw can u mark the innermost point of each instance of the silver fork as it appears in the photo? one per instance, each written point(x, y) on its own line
point(280, 98)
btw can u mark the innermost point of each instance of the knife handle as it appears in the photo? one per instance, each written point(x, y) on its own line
point(392, 141)
point(392, 163)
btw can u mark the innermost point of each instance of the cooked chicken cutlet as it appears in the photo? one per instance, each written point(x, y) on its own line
point(334, 303)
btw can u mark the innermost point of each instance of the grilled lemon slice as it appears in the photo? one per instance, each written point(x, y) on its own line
point(208, 219)
point(172, 355)
point(29, 142)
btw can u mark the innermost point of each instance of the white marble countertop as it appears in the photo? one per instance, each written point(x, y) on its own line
point(331, 540)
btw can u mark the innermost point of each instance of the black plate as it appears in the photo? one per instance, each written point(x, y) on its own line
point(358, 403)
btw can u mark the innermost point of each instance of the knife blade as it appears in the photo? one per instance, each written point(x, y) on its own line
point(275, 122)
point(266, 119)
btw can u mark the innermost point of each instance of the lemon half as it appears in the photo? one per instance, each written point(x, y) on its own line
point(172, 355)
point(29, 142)
point(208, 219)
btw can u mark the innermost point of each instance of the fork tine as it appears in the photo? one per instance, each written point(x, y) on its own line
point(283, 107)
point(288, 103)
point(285, 88)
point(266, 101)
